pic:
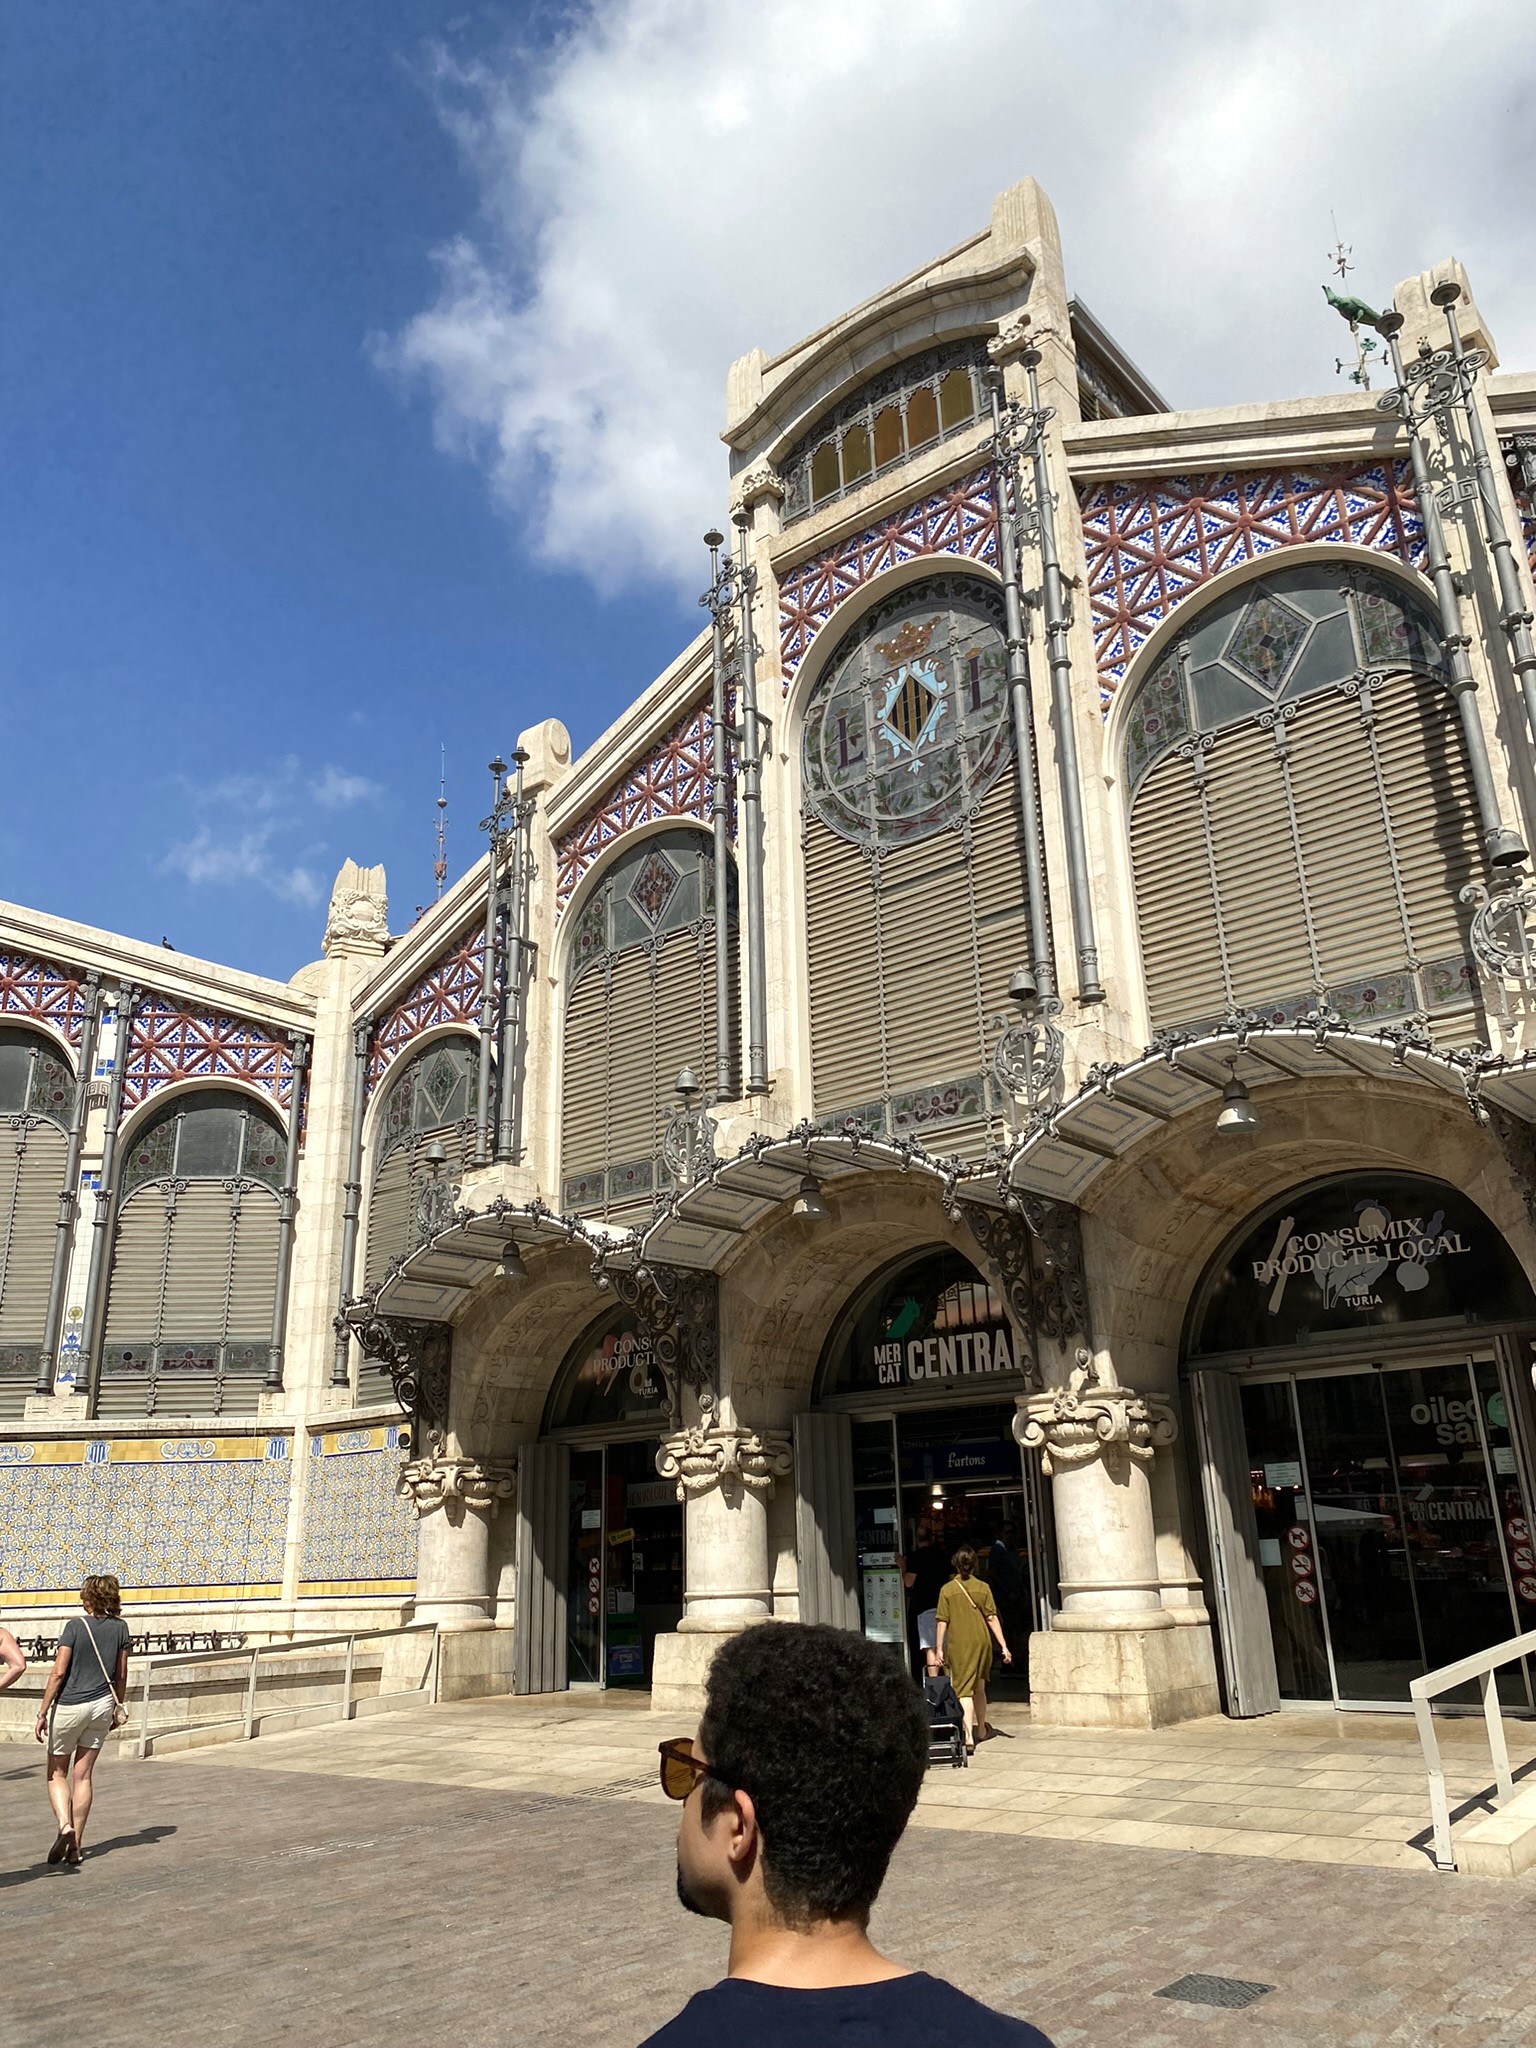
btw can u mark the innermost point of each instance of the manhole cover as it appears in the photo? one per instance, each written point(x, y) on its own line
point(1230, 1992)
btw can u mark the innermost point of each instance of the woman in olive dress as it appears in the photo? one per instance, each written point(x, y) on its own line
point(968, 1622)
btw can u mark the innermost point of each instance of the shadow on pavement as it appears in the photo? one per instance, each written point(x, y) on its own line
point(141, 1838)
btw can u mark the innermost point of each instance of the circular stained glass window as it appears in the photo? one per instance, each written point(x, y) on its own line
point(908, 729)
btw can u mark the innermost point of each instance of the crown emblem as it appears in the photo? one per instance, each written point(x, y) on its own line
point(912, 640)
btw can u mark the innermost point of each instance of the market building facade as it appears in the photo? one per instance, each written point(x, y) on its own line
point(1018, 1035)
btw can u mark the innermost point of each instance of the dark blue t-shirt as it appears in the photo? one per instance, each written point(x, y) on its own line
point(902, 2012)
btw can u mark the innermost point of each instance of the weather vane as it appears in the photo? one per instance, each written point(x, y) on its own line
point(1355, 311)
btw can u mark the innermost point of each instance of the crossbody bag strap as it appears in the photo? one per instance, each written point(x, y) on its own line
point(90, 1636)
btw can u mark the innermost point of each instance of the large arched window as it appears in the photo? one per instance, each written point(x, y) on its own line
point(897, 414)
point(194, 1259)
point(430, 1105)
point(1302, 819)
point(913, 884)
point(36, 1092)
point(639, 1005)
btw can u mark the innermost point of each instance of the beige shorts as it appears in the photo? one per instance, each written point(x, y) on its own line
point(83, 1724)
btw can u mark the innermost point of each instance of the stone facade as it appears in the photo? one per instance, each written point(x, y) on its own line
point(1082, 1181)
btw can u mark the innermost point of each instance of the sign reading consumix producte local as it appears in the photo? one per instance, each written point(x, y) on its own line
point(1364, 1251)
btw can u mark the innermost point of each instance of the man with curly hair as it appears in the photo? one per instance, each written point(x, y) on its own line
point(795, 1792)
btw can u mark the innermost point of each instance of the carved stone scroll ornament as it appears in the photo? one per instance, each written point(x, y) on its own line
point(679, 1311)
point(358, 921)
point(436, 1482)
point(735, 1460)
point(1093, 1416)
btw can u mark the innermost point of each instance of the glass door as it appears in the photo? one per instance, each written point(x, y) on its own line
point(625, 1575)
point(1391, 1527)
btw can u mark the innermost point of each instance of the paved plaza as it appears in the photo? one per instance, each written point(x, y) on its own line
point(501, 1873)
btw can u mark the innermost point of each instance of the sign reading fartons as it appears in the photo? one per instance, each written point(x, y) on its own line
point(1366, 1251)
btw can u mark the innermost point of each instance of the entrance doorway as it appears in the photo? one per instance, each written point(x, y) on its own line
point(923, 1363)
point(623, 1534)
point(1393, 1535)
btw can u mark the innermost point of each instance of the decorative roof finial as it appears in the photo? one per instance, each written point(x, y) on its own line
point(1355, 311)
point(440, 865)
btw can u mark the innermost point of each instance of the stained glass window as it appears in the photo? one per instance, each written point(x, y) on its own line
point(437, 1088)
point(909, 727)
point(662, 884)
point(216, 1134)
point(1285, 636)
point(901, 410)
point(34, 1079)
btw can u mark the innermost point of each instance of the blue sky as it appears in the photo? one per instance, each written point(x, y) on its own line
point(363, 360)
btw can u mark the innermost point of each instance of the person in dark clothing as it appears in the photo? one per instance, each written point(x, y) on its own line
point(924, 1575)
point(794, 1793)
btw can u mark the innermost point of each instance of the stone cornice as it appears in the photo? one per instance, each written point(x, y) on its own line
point(1332, 430)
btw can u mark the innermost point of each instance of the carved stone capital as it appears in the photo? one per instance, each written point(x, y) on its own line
point(1010, 341)
point(358, 921)
point(761, 481)
point(1093, 1416)
point(436, 1482)
point(735, 1460)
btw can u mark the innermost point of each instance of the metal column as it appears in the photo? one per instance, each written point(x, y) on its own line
point(514, 990)
point(718, 601)
point(341, 1368)
point(752, 821)
point(93, 1336)
point(69, 1194)
point(287, 1205)
point(495, 826)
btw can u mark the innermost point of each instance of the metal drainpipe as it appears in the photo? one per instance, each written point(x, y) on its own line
point(69, 1194)
point(488, 974)
point(509, 1089)
point(1502, 846)
point(95, 1332)
point(1042, 961)
point(341, 1367)
point(1513, 615)
point(1089, 987)
point(720, 821)
point(752, 824)
point(287, 1208)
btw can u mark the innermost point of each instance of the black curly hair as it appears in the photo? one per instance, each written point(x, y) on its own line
point(828, 1734)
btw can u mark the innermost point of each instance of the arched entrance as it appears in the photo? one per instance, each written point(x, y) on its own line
point(607, 1411)
point(1356, 1358)
point(917, 1390)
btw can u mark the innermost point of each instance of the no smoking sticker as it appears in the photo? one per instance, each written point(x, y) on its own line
point(1524, 1557)
point(1301, 1565)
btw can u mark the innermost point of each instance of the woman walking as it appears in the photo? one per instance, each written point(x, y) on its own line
point(81, 1704)
point(967, 1624)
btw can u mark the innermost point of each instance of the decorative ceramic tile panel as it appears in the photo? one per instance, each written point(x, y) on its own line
point(42, 989)
point(448, 993)
point(356, 1526)
point(167, 1043)
point(173, 1517)
point(674, 780)
point(1152, 541)
point(961, 519)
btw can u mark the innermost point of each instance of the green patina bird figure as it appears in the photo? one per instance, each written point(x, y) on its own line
point(1355, 311)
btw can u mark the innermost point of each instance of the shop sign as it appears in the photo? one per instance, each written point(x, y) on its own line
point(931, 1323)
point(1367, 1251)
point(937, 1358)
point(609, 1376)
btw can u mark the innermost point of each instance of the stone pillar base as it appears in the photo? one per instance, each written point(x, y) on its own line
point(680, 1665)
point(1122, 1678)
point(474, 1663)
point(68, 1407)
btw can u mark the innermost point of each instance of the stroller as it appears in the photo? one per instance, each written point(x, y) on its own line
point(946, 1723)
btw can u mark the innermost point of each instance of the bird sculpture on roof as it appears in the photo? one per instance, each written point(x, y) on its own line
point(1355, 311)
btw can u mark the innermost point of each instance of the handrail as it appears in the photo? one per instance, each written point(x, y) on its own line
point(1482, 1666)
point(300, 1646)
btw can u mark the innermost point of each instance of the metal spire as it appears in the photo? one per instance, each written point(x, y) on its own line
point(440, 865)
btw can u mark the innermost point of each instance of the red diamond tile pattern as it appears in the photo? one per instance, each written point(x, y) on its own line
point(672, 781)
point(168, 1043)
point(44, 990)
point(448, 993)
point(961, 519)
point(1153, 540)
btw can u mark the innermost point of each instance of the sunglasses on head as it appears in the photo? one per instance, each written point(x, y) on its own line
point(681, 1770)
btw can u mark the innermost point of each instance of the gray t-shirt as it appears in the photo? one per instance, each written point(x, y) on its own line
point(86, 1679)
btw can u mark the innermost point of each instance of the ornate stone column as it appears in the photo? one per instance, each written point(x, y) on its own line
point(725, 1478)
point(456, 1500)
point(1113, 1657)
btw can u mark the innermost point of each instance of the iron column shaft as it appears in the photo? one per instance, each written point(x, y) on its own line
point(93, 1337)
point(720, 825)
point(69, 1194)
point(488, 985)
point(1089, 988)
point(1502, 846)
point(287, 1206)
point(514, 986)
point(1020, 708)
point(1513, 614)
point(352, 1201)
point(752, 825)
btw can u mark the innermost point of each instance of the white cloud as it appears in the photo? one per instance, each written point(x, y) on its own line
point(254, 831)
point(680, 181)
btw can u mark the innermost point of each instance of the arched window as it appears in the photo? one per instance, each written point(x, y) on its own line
point(194, 1260)
point(36, 1093)
point(1302, 819)
point(639, 1005)
point(895, 415)
point(609, 1380)
point(430, 1103)
point(913, 893)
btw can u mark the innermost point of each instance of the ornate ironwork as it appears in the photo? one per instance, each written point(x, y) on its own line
point(1028, 1060)
point(679, 1311)
point(1503, 942)
point(688, 1142)
point(418, 1358)
point(1034, 1249)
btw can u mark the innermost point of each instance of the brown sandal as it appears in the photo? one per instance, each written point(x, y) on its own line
point(63, 1843)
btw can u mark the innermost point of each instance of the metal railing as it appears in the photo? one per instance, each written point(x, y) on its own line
point(248, 1720)
point(1483, 1666)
